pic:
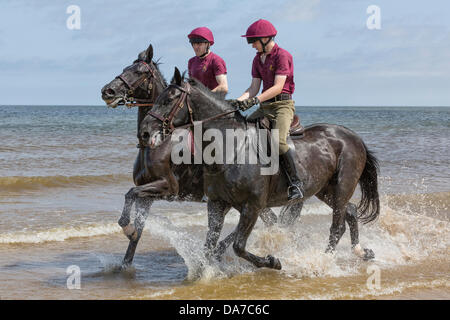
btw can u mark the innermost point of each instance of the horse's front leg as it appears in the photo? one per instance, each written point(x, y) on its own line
point(268, 217)
point(153, 189)
point(124, 219)
point(246, 223)
point(142, 212)
point(223, 245)
point(352, 220)
point(143, 196)
point(216, 217)
point(290, 213)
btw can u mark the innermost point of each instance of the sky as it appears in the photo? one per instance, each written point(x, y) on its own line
point(338, 60)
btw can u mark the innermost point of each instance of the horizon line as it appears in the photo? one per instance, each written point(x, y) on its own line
point(306, 106)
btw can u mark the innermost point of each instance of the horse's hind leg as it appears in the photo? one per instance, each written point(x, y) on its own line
point(337, 197)
point(337, 228)
point(247, 221)
point(352, 220)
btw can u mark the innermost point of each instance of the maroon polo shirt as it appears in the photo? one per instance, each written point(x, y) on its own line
point(206, 69)
point(278, 62)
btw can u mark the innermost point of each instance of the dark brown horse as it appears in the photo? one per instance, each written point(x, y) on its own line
point(332, 159)
point(155, 176)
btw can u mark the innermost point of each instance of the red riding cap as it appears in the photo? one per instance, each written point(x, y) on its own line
point(202, 32)
point(260, 29)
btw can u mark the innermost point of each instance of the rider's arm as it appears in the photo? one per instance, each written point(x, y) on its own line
point(252, 90)
point(274, 90)
point(223, 83)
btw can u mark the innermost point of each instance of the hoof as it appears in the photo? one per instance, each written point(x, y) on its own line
point(124, 266)
point(368, 255)
point(274, 262)
point(363, 253)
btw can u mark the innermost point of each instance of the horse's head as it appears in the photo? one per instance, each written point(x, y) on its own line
point(135, 83)
point(171, 110)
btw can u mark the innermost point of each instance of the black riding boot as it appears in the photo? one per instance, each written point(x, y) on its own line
point(295, 189)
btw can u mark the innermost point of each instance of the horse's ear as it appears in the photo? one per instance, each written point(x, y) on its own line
point(141, 56)
point(176, 77)
point(149, 54)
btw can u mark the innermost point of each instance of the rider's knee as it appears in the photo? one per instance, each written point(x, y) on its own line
point(283, 147)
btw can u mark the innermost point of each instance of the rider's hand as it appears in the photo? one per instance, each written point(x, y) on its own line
point(247, 103)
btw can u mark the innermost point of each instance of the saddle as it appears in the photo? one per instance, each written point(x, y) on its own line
point(296, 130)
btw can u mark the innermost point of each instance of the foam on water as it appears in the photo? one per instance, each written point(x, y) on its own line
point(188, 246)
point(153, 295)
point(397, 238)
point(60, 234)
point(403, 235)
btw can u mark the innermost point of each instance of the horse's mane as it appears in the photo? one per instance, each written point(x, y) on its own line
point(217, 98)
point(157, 63)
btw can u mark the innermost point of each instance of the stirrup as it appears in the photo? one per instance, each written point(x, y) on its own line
point(295, 195)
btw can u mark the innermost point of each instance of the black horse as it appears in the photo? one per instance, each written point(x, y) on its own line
point(332, 159)
point(155, 177)
point(139, 85)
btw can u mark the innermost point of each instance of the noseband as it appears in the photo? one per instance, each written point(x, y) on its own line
point(132, 86)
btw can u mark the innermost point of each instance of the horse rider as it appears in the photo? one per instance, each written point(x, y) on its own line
point(274, 67)
point(206, 66)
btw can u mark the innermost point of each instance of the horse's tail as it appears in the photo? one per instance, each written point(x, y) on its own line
point(369, 206)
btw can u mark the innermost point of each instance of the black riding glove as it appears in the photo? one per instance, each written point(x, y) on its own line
point(247, 103)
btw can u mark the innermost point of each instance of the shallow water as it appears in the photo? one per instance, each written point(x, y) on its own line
point(62, 182)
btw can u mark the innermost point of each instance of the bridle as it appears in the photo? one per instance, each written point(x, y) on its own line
point(130, 101)
point(167, 121)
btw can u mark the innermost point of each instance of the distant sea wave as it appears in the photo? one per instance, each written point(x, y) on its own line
point(18, 183)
